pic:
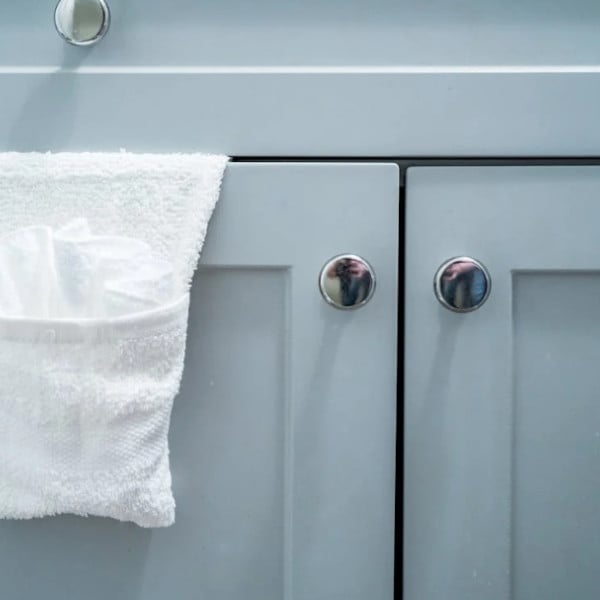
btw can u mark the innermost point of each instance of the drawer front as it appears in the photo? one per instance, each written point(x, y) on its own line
point(283, 435)
point(337, 79)
point(502, 415)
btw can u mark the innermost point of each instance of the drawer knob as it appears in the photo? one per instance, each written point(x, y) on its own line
point(82, 22)
point(462, 284)
point(347, 281)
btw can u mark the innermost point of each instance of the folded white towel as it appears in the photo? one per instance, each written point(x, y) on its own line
point(96, 258)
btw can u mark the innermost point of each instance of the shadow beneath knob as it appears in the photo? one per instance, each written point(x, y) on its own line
point(46, 119)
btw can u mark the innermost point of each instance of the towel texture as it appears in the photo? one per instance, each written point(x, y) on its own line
point(97, 252)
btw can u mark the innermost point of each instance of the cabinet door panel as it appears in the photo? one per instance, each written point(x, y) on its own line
point(283, 435)
point(502, 416)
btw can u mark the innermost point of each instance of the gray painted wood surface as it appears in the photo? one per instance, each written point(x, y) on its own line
point(312, 32)
point(306, 113)
point(344, 79)
point(502, 419)
point(283, 435)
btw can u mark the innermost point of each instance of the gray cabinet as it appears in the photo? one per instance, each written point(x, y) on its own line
point(502, 417)
point(283, 435)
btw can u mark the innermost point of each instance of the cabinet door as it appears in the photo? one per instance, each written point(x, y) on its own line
point(283, 435)
point(502, 406)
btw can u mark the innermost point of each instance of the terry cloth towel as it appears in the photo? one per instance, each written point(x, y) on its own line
point(97, 252)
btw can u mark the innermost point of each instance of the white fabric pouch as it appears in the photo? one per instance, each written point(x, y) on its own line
point(97, 252)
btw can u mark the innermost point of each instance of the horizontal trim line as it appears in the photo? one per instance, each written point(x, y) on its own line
point(301, 70)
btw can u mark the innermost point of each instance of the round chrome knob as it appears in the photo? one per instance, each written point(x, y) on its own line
point(347, 281)
point(462, 284)
point(82, 22)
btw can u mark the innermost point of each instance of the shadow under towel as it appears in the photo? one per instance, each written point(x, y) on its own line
point(97, 253)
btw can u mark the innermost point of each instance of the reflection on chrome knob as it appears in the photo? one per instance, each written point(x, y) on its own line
point(82, 22)
point(462, 284)
point(347, 281)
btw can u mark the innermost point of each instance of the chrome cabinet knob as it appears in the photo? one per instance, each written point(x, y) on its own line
point(347, 281)
point(82, 22)
point(462, 284)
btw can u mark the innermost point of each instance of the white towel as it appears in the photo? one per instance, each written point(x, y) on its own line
point(97, 252)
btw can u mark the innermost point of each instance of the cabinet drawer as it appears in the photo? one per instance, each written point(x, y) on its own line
point(283, 435)
point(335, 79)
